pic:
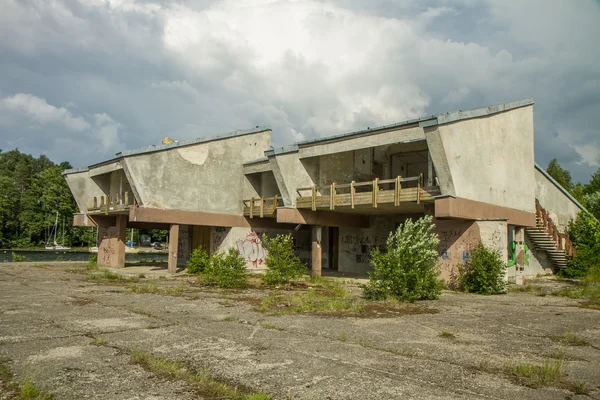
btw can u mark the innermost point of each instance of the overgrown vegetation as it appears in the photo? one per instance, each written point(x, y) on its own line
point(92, 261)
point(14, 389)
point(407, 269)
point(484, 273)
point(332, 299)
point(570, 339)
point(585, 233)
point(198, 262)
point(549, 372)
point(17, 257)
point(203, 381)
point(153, 288)
point(283, 265)
point(587, 289)
point(226, 270)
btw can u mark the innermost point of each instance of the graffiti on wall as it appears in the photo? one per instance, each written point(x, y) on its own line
point(108, 243)
point(251, 249)
point(521, 258)
point(361, 246)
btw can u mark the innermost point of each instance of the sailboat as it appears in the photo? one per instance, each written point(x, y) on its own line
point(56, 246)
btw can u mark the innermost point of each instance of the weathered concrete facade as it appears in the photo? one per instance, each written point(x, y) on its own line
point(339, 196)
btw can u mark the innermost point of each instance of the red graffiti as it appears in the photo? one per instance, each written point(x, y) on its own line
point(251, 249)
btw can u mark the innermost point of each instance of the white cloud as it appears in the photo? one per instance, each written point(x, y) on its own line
point(306, 67)
point(40, 111)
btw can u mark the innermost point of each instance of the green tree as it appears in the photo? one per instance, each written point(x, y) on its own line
point(485, 272)
point(283, 265)
point(407, 270)
point(561, 175)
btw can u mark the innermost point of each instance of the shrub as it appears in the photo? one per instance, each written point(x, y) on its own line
point(226, 270)
point(585, 233)
point(484, 273)
point(407, 270)
point(198, 261)
point(283, 265)
point(17, 257)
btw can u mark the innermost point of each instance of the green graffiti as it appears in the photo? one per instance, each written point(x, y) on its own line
point(512, 250)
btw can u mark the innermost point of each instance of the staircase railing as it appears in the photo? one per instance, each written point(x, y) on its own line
point(562, 240)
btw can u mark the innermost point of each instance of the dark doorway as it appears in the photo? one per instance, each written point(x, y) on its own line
point(334, 233)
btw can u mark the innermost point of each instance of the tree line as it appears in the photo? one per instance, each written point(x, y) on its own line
point(588, 194)
point(32, 192)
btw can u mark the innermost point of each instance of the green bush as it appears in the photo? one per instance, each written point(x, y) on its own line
point(407, 270)
point(484, 273)
point(283, 265)
point(17, 257)
point(585, 233)
point(226, 270)
point(198, 261)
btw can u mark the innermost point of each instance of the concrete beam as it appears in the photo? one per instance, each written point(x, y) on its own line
point(173, 248)
point(451, 207)
point(324, 218)
point(161, 216)
point(316, 251)
point(82, 220)
point(105, 169)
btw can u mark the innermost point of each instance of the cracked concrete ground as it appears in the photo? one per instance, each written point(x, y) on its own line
point(49, 316)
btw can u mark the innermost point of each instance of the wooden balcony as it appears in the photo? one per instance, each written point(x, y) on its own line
point(111, 204)
point(261, 207)
point(372, 194)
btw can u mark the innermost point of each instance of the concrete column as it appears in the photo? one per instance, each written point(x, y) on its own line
point(121, 239)
point(112, 235)
point(429, 169)
point(173, 248)
point(317, 232)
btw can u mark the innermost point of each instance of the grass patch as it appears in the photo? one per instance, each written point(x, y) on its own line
point(578, 387)
point(447, 335)
point(270, 325)
point(587, 289)
point(98, 342)
point(334, 299)
point(106, 276)
point(203, 381)
point(40, 266)
point(15, 390)
point(342, 337)
point(145, 313)
point(153, 288)
point(570, 339)
point(550, 372)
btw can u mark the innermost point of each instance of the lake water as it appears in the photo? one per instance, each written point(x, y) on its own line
point(52, 255)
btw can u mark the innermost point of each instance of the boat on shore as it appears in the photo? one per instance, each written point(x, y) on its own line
point(55, 246)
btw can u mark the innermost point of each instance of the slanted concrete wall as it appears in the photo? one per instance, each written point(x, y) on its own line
point(206, 177)
point(292, 173)
point(489, 158)
point(559, 206)
point(83, 189)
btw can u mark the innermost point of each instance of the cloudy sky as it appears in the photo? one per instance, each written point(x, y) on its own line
point(81, 80)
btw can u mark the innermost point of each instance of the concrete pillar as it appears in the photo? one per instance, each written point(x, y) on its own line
point(173, 248)
point(317, 232)
point(112, 235)
point(429, 169)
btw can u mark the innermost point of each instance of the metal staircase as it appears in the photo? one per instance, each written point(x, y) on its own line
point(546, 236)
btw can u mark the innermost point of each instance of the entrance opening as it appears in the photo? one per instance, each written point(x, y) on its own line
point(334, 233)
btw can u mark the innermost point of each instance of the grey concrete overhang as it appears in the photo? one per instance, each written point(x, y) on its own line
point(105, 169)
point(559, 187)
point(460, 115)
point(74, 171)
point(257, 166)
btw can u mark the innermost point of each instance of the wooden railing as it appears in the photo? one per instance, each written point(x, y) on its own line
point(107, 203)
point(562, 240)
point(378, 191)
point(261, 207)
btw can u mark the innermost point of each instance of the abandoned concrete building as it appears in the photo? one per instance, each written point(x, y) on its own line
point(340, 196)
